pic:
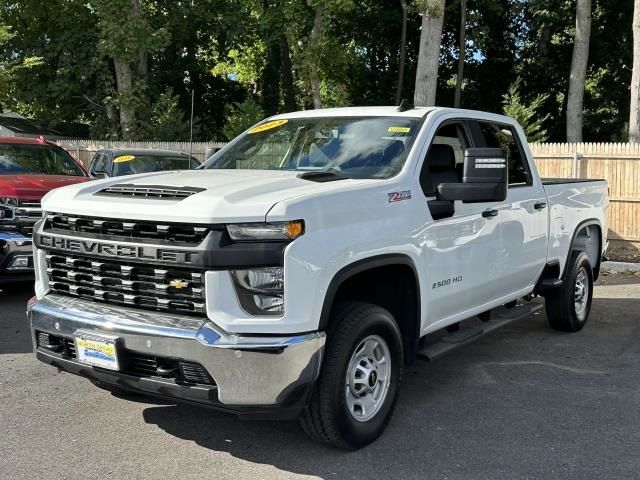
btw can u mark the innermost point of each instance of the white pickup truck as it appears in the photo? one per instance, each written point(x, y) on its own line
point(299, 269)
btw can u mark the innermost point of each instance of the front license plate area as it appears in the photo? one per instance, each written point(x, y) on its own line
point(97, 350)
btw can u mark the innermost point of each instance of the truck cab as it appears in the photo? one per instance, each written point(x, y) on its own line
point(298, 270)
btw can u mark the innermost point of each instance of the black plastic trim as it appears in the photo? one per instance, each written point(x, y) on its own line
point(217, 250)
point(581, 225)
point(203, 396)
point(362, 266)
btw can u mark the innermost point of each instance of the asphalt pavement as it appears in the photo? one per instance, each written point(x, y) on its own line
point(523, 403)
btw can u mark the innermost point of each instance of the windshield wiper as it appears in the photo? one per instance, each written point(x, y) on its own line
point(322, 176)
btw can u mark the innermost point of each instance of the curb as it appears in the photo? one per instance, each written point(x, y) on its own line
point(621, 266)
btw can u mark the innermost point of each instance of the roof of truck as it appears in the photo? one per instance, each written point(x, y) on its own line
point(388, 111)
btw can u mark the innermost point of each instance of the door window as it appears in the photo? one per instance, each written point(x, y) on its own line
point(445, 158)
point(496, 135)
point(99, 163)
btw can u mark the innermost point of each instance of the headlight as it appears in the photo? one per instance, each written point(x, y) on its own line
point(266, 231)
point(261, 290)
point(7, 209)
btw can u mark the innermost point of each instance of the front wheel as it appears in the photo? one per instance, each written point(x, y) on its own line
point(568, 306)
point(355, 395)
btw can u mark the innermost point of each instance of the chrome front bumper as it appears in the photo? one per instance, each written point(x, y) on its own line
point(248, 370)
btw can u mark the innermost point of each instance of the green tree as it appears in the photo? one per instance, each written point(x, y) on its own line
point(527, 114)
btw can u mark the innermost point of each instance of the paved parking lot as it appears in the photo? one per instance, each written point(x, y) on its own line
point(525, 402)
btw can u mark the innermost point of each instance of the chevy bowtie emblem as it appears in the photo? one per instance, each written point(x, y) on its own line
point(178, 284)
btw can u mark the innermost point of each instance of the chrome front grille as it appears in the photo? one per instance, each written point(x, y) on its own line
point(27, 213)
point(166, 289)
point(126, 229)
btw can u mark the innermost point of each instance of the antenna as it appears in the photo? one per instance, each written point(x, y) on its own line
point(404, 106)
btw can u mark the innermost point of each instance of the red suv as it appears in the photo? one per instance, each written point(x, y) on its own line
point(29, 168)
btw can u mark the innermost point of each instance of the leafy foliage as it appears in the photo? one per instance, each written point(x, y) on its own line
point(527, 115)
point(241, 117)
point(249, 58)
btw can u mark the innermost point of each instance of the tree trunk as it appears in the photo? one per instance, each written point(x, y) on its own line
point(634, 119)
point(429, 56)
point(462, 53)
point(271, 80)
point(578, 71)
point(124, 84)
point(314, 68)
point(288, 91)
point(403, 51)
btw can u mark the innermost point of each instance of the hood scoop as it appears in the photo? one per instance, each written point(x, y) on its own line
point(149, 191)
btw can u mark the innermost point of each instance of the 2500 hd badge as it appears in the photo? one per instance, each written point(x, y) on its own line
point(447, 282)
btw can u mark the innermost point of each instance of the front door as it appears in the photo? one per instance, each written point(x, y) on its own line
point(461, 250)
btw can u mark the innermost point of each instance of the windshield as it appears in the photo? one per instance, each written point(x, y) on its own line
point(37, 160)
point(130, 164)
point(353, 147)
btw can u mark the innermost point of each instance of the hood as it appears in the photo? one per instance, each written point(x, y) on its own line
point(227, 195)
point(34, 187)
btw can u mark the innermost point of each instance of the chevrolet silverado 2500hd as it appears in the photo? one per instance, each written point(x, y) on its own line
point(299, 269)
point(29, 168)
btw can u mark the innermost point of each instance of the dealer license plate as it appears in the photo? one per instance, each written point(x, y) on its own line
point(97, 350)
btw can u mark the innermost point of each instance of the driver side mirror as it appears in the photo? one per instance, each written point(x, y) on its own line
point(485, 178)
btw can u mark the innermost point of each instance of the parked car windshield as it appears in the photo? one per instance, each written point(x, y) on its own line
point(129, 164)
point(353, 147)
point(16, 159)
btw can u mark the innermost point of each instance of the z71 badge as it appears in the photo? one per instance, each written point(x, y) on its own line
point(399, 196)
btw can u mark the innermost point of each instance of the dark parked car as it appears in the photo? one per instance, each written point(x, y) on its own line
point(127, 161)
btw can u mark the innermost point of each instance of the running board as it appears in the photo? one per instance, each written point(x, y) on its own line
point(499, 318)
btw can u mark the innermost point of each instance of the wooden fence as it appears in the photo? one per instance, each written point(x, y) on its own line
point(85, 149)
point(618, 163)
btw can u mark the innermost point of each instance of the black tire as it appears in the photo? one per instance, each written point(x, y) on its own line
point(561, 303)
point(327, 418)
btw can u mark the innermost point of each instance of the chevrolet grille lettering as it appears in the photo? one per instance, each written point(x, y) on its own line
point(115, 250)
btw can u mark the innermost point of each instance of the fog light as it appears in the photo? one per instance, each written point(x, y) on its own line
point(20, 262)
point(260, 290)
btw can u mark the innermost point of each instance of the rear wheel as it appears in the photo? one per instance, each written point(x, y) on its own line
point(568, 306)
point(356, 392)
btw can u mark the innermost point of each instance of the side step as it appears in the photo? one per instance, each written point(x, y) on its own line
point(499, 318)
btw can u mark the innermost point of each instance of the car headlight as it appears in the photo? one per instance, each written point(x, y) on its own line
point(8, 209)
point(260, 290)
point(266, 231)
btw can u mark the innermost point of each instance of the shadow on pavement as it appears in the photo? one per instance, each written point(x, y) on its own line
point(519, 403)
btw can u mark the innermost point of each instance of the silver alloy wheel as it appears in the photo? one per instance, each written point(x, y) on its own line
point(581, 295)
point(368, 378)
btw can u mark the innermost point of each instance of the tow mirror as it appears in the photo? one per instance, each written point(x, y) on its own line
point(485, 178)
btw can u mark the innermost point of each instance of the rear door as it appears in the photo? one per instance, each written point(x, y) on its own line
point(523, 216)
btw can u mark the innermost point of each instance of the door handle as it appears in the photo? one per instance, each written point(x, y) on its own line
point(490, 213)
point(540, 205)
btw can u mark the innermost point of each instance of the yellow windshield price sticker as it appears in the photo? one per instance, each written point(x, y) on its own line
point(124, 158)
point(268, 126)
point(399, 129)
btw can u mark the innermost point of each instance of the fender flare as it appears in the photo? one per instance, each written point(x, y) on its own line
point(580, 227)
point(360, 266)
